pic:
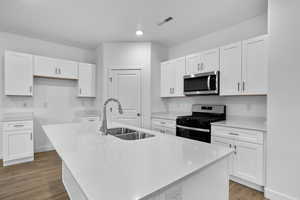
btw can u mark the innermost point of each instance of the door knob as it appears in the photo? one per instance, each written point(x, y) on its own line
point(138, 114)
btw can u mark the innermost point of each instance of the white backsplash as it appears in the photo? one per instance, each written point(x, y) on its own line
point(248, 106)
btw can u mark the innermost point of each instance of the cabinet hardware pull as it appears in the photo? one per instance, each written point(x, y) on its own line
point(238, 86)
point(79, 90)
point(59, 71)
point(56, 71)
point(230, 146)
point(198, 67)
point(243, 86)
point(18, 125)
point(31, 136)
point(235, 152)
point(234, 134)
point(30, 89)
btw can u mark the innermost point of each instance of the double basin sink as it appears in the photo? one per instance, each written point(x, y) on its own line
point(128, 134)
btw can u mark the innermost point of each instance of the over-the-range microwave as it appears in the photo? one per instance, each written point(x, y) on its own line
point(202, 84)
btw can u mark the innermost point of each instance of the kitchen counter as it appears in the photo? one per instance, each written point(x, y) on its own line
point(106, 167)
point(16, 116)
point(253, 123)
point(169, 115)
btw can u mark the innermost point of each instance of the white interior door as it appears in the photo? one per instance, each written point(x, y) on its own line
point(125, 85)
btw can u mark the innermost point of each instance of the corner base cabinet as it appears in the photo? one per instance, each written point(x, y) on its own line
point(247, 164)
point(17, 142)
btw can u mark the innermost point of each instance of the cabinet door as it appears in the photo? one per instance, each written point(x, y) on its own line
point(18, 74)
point(230, 69)
point(86, 80)
point(18, 144)
point(45, 67)
point(194, 64)
point(67, 69)
point(225, 143)
point(211, 60)
point(179, 64)
point(164, 84)
point(255, 64)
point(249, 162)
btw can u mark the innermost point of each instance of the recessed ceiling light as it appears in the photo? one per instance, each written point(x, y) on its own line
point(139, 33)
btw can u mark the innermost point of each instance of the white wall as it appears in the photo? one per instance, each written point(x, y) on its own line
point(54, 100)
point(283, 155)
point(129, 55)
point(245, 106)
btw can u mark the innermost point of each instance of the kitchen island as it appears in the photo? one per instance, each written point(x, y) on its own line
point(162, 167)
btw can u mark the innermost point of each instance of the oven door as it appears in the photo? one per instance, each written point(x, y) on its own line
point(199, 134)
point(203, 83)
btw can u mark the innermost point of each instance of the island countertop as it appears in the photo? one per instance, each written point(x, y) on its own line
point(106, 167)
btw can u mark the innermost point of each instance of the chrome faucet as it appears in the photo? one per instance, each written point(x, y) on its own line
point(103, 128)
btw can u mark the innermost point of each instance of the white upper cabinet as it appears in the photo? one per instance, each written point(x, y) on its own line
point(172, 73)
point(67, 69)
point(45, 67)
point(55, 68)
point(211, 60)
point(203, 62)
point(243, 67)
point(230, 69)
point(194, 64)
point(18, 74)
point(86, 80)
point(255, 65)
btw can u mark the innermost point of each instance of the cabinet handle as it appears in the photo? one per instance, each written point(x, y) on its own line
point(59, 71)
point(56, 71)
point(202, 66)
point(243, 86)
point(234, 134)
point(198, 68)
point(30, 89)
point(31, 136)
point(18, 125)
point(79, 90)
point(238, 85)
point(235, 152)
point(230, 146)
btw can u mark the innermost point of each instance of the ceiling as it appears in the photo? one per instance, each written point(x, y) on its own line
point(87, 23)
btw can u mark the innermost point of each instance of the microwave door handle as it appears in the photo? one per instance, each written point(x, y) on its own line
point(208, 83)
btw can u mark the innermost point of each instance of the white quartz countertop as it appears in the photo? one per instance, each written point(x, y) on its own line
point(254, 123)
point(109, 168)
point(16, 116)
point(169, 115)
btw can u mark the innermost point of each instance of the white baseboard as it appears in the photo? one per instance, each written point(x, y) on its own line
point(43, 149)
point(274, 195)
point(247, 183)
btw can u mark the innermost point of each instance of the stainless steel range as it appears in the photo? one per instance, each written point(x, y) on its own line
point(197, 126)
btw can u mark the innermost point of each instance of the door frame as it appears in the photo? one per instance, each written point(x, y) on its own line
point(110, 69)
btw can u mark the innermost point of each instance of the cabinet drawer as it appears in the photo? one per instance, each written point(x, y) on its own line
point(238, 134)
point(17, 125)
point(164, 122)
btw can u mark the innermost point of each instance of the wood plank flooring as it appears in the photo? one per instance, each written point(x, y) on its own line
point(41, 180)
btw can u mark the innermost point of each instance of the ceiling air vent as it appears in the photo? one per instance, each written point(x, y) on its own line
point(165, 21)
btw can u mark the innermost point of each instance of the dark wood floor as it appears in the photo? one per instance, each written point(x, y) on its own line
point(41, 179)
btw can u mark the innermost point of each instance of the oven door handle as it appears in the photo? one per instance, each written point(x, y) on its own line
point(193, 129)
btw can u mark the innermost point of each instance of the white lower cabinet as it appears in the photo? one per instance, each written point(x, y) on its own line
point(247, 162)
point(17, 142)
point(164, 126)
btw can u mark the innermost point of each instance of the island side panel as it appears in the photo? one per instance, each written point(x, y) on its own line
point(73, 189)
point(209, 183)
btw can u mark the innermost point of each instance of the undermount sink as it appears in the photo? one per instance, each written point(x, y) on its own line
point(128, 134)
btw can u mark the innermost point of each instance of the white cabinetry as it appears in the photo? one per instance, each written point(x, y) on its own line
point(255, 65)
point(247, 163)
point(17, 142)
point(86, 80)
point(203, 62)
point(172, 73)
point(230, 69)
point(55, 68)
point(164, 126)
point(243, 67)
point(18, 73)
